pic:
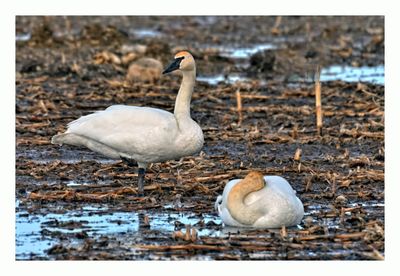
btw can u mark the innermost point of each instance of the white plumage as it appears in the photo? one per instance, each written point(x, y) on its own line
point(273, 206)
point(143, 134)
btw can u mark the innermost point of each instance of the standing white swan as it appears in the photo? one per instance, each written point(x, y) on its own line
point(259, 201)
point(144, 134)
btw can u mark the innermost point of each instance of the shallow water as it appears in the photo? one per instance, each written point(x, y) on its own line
point(34, 231)
point(23, 37)
point(144, 33)
point(375, 74)
point(245, 52)
point(215, 79)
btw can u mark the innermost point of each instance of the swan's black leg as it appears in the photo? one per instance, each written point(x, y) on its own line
point(142, 171)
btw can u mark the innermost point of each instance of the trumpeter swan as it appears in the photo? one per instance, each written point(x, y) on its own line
point(259, 201)
point(144, 134)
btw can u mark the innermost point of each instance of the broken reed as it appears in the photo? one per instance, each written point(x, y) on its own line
point(239, 106)
point(275, 28)
point(318, 108)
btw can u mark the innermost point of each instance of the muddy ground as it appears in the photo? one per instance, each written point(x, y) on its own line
point(74, 204)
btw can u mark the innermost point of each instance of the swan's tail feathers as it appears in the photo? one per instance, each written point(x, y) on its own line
point(58, 139)
point(70, 139)
point(217, 203)
point(79, 140)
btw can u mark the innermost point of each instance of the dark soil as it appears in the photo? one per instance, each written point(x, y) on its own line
point(339, 176)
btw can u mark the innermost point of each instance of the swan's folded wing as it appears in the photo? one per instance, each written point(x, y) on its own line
point(128, 128)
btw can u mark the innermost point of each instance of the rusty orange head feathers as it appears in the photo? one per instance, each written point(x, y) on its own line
point(183, 61)
point(256, 177)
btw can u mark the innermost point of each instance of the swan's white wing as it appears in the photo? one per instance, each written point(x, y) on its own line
point(280, 183)
point(128, 129)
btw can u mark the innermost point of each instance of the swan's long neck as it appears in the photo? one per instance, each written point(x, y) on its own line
point(241, 212)
point(182, 103)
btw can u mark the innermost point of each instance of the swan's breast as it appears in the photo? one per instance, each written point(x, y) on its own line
point(190, 139)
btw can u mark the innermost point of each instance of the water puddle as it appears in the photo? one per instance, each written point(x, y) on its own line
point(23, 37)
point(214, 80)
point(74, 184)
point(77, 161)
point(368, 205)
point(317, 212)
point(374, 74)
point(145, 33)
point(245, 52)
point(229, 79)
point(206, 20)
point(43, 157)
point(35, 233)
point(318, 209)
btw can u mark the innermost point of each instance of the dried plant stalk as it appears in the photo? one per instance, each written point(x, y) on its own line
point(318, 106)
point(274, 29)
point(297, 155)
point(239, 106)
point(193, 235)
point(283, 232)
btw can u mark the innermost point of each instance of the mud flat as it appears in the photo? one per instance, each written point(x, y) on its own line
point(74, 204)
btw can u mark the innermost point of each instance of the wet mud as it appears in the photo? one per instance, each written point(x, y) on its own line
point(73, 204)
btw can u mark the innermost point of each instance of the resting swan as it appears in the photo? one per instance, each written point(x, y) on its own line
point(259, 201)
point(144, 134)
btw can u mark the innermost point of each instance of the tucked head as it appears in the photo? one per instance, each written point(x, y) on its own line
point(256, 177)
point(183, 61)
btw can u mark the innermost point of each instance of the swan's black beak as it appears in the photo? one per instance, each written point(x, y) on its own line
point(173, 66)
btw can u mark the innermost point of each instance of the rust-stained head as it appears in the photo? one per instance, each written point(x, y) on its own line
point(257, 178)
point(183, 61)
point(183, 54)
point(239, 211)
